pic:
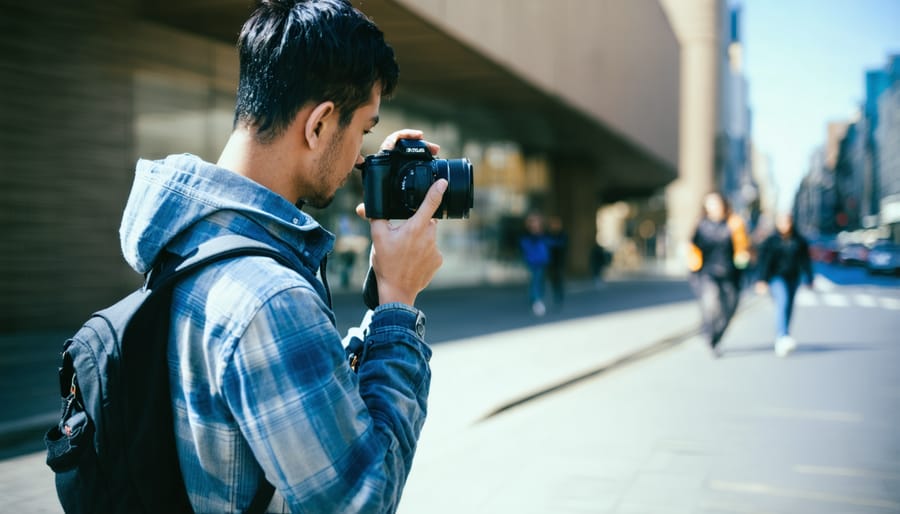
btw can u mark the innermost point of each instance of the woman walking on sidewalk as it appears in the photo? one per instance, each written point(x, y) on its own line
point(784, 264)
point(718, 251)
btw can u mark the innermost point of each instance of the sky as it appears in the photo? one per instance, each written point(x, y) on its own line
point(805, 61)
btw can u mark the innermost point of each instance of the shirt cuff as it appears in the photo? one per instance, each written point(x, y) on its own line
point(398, 315)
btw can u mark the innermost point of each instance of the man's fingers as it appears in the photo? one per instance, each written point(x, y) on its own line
point(361, 210)
point(392, 139)
point(379, 229)
point(433, 147)
point(432, 200)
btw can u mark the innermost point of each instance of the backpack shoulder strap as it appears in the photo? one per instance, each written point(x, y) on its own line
point(216, 249)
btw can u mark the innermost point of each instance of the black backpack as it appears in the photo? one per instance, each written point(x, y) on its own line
point(114, 447)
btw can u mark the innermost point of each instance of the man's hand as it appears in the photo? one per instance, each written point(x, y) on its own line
point(762, 287)
point(406, 257)
point(391, 140)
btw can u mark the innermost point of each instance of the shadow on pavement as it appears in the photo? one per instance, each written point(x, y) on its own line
point(802, 348)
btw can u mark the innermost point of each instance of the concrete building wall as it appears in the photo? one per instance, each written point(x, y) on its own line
point(85, 90)
point(66, 140)
point(615, 61)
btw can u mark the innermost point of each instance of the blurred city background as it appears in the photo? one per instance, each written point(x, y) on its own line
point(616, 116)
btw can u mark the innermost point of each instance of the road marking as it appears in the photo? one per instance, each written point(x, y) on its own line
point(889, 303)
point(865, 300)
point(768, 490)
point(845, 472)
point(806, 299)
point(810, 299)
point(821, 415)
point(835, 300)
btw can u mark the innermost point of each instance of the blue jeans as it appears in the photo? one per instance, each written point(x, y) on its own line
point(536, 288)
point(783, 293)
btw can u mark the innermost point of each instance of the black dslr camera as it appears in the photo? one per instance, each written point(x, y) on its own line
point(395, 182)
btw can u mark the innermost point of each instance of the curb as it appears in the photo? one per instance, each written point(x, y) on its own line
point(747, 302)
point(628, 358)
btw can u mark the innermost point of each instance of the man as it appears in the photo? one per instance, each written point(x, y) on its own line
point(261, 385)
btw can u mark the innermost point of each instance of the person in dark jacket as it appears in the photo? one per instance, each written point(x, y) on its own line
point(784, 264)
point(558, 246)
point(716, 277)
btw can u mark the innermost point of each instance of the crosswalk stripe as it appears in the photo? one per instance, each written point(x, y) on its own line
point(835, 300)
point(865, 300)
point(808, 298)
point(890, 303)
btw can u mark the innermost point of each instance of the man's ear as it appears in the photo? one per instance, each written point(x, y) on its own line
point(318, 121)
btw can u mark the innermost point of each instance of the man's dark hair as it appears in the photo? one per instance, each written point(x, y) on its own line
point(297, 51)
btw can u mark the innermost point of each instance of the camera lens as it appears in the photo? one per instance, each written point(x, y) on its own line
point(459, 197)
point(415, 180)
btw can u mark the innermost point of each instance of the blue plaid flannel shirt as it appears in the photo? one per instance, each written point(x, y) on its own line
point(260, 379)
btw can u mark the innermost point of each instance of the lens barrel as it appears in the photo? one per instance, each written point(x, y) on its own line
point(459, 197)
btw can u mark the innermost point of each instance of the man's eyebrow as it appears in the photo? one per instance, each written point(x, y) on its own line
point(374, 120)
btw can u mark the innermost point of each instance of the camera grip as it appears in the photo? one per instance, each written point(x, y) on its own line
point(370, 289)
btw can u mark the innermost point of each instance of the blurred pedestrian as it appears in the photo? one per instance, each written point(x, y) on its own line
point(718, 248)
point(536, 253)
point(558, 245)
point(600, 258)
point(784, 264)
point(349, 245)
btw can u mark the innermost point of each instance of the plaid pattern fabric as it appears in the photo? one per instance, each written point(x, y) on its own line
point(260, 379)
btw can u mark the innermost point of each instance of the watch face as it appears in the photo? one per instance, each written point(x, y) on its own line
point(420, 325)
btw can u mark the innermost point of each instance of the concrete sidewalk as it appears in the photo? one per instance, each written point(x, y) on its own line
point(471, 379)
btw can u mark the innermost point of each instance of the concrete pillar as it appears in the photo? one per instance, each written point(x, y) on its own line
point(574, 199)
point(696, 24)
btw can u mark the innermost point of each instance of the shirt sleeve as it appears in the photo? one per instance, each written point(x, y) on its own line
point(328, 439)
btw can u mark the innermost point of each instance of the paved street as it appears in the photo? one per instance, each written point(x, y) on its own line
point(613, 405)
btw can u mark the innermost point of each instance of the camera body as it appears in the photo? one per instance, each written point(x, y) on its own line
point(396, 181)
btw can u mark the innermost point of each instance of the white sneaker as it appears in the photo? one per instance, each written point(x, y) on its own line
point(784, 345)
point(538, 308)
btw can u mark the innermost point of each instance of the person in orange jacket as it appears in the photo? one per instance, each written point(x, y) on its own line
point(719, 251)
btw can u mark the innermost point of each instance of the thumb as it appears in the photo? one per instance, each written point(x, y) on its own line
point(432, 200)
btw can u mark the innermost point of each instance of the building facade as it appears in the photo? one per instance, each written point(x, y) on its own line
point(887, 139)
point(734, 175)
point(857, 179)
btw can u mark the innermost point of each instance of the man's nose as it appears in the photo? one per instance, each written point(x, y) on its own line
point(359, 162)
